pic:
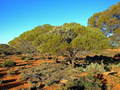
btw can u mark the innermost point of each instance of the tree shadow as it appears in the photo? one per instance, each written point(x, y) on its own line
point(7, 81)
point(2, 75)
point(103, 59)
point(77, 88)
point(22, 65)
point(9, 86)
point(2, 70)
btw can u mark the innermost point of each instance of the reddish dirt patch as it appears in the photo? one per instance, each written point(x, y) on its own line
point(12, 82)
point(117, 87)
point(113, 49)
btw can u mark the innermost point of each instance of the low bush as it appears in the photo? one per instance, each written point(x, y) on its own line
point(8, 63)
point(95, 68)
point(50, 73)
point(84, 83)
point(27, 58)
point(1, 81)
point(11, 72)
point(2, 56)
point(7, 50)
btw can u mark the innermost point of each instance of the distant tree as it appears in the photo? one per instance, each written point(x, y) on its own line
point(23, 46)
point(92, 39)
point(6, 49)
point(67, 39)
point(115, 39)
point(108, 20)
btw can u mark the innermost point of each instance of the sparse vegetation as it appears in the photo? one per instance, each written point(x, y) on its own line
point(11, 72)
point(84, 83)
point(72, 56)
point(95, 68)
point(8, 63)
point(7, 50)
point(27, 58)
point(50, 73)
point(68, 39)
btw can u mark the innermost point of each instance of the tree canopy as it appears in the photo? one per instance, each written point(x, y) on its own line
point(60, 39)
point(109, 22)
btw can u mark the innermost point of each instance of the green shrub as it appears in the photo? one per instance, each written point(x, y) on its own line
point(1, 81)
point(83, 83)
point(8, 63)
point(27, 58)
point(11, 72)
point(2, 56)
point(23, 76)
point(42, 57)
point(81, 69)
point(7, 50)
point(68, 38)
point(50, 73)
point(95, 68)
point(1, 65)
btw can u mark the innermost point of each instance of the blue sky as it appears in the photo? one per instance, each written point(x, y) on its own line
point(18, 16)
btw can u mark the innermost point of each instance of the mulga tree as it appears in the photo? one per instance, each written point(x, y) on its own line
point(92, 39)
point(109, 22)
point(6, 49)
point(22, 46)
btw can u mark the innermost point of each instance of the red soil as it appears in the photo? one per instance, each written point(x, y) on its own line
point(13, 81)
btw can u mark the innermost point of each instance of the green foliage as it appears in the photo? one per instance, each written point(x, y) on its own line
point(8, 63)
point(116, 38)
point(95, 68)
point(109, 22)
point(22, 45)
point(92, 39)
point(83, 83)
point(27, 58)
point(51, 45)
point(11, 72)
point(107, 18)
point(6, 49)
point(25, 42)
point(49, 73)
point(61, 39)
point(2, 81)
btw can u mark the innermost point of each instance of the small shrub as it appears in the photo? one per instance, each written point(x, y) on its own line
point(72, 86)
point(50, 73)
point(81, 69)
point(8, 63)
point(95, 68)
point(6, 49)
point(0, 65)
point(2, 56)
point(11, 72)
point(1, 81)
point(23, 76)
point(108, 67)
point(114, 67)
point(42, 57)
point(83, 83)
point(118, 65)
point(55, 58)
point(27, 58)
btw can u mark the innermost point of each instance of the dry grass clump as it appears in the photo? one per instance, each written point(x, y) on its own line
point(95, 68)
point(8, 63)
point(50, 73)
